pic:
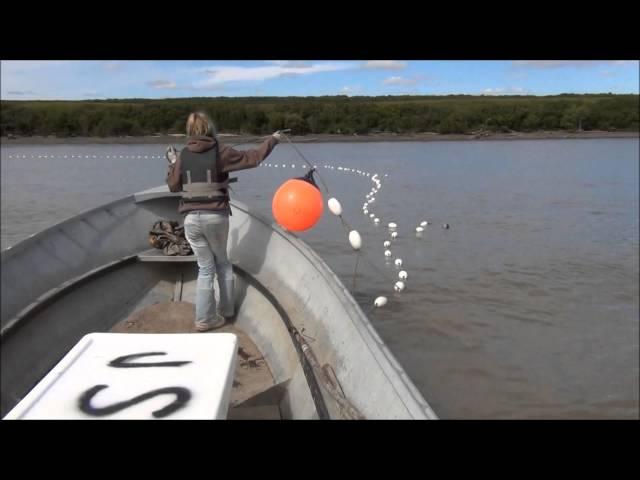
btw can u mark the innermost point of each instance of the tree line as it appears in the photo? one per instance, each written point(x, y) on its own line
point(324, 115)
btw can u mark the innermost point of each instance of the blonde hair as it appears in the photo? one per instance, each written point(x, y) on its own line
point(199, 124)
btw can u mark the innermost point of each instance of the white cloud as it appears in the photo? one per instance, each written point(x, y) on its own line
point(27, 65)
point(161, 84)
point(112, 66)
point(290, 63)
point(93, 94)
point(385, 64)
point(547, 64)
point(51, 79)
point(220, 75)
point(349, 91)
point(400, 81)
point(504, 91)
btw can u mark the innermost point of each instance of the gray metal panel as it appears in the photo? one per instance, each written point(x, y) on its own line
point(317, 300)
point(156, 255)
point(158, 192)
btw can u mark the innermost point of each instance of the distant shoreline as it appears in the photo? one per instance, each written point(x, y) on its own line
point(325, 138)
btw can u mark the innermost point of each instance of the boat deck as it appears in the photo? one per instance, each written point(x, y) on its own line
point(255, 394)
point(252, 376)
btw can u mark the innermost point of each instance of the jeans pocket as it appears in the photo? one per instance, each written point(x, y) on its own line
point(190, 227)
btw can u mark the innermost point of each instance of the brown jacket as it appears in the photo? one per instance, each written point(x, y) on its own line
point(230, 161)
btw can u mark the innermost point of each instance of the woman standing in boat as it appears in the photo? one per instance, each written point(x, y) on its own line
point(201, 172)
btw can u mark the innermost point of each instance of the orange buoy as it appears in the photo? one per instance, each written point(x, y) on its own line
point(297, 204)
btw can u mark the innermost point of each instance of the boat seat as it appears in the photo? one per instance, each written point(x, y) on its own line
point(157, 255)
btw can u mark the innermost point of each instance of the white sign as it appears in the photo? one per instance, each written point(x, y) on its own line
point(119, 376)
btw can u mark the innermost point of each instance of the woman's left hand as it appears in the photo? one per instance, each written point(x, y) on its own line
point(171, 154)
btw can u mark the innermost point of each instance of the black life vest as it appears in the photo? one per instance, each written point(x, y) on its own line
point(202, 180)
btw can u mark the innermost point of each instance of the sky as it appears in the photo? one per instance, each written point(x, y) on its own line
point(83, 79)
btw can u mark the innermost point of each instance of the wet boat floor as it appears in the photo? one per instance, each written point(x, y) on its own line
point(252, 375)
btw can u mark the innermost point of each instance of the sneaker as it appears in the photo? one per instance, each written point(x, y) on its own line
point(205, 327)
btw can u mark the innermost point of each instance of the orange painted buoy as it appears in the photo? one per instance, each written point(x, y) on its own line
point(297, 204)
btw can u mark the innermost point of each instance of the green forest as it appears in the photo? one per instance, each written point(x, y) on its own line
point(461, 114)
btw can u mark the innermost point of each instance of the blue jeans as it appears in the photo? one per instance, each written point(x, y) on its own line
point(207, 233)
